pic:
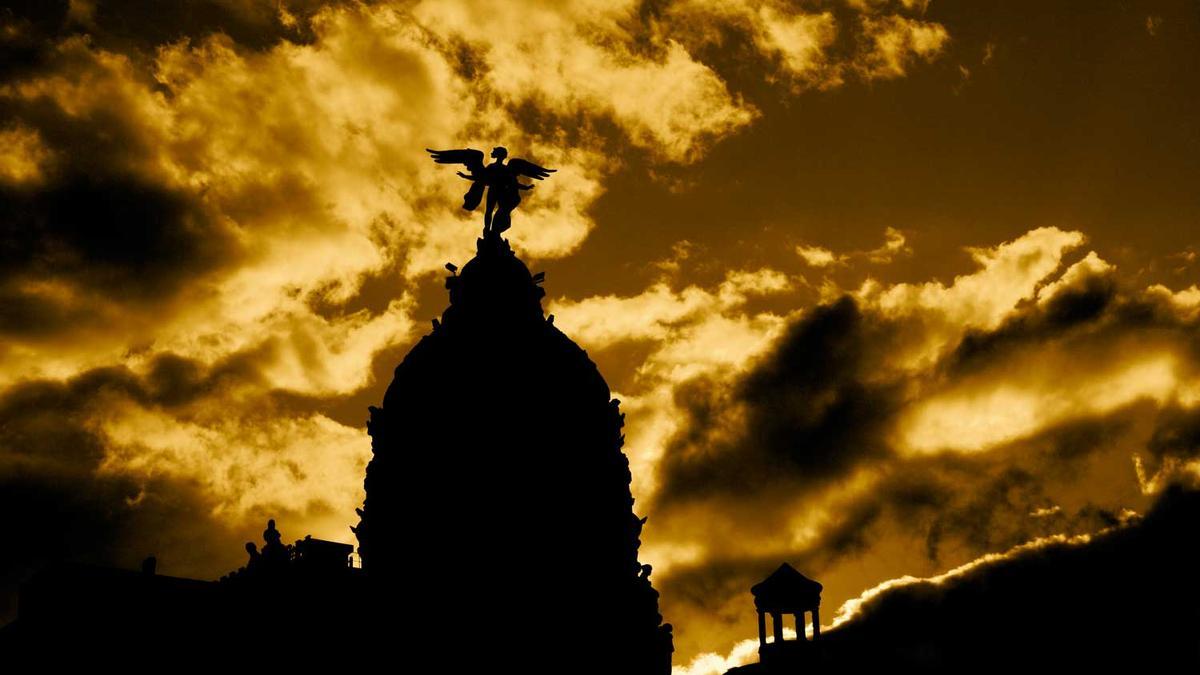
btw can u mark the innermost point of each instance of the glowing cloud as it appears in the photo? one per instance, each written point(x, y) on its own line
point(982, 415)
point(22, 155)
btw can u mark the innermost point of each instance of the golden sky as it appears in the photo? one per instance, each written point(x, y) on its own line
point(884, 286)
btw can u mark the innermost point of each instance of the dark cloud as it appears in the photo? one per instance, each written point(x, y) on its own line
point(131, 25)
point(1082, 303)
point(101, 219)
point(1128, 598)
point(812, 409)
point(982, 347)
point(117, 235)
point(825, 399)
point(22, 48)
point(975, 503)
point(1065, 315)
point(1177, 434)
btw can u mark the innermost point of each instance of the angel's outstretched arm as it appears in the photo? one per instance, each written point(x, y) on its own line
point(463, 175)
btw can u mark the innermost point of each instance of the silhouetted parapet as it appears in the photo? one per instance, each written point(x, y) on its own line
point(314, 561)
point(498, 489)
point(306, 594)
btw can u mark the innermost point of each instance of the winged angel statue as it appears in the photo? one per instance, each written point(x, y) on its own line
point(498, 178)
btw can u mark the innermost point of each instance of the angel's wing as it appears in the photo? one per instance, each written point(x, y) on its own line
point(523, 167)
point(472, 159)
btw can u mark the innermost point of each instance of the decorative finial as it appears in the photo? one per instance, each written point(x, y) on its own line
point(498, 178)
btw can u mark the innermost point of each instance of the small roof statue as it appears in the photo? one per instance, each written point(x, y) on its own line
point(786, 591)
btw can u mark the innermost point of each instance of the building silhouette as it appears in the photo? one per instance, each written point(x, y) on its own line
point(306, 593)
point(498, 450)
point(498, 528)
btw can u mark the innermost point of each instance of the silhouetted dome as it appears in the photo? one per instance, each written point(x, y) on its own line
point(494, 286)
point(786, 591)
point(498, 512)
